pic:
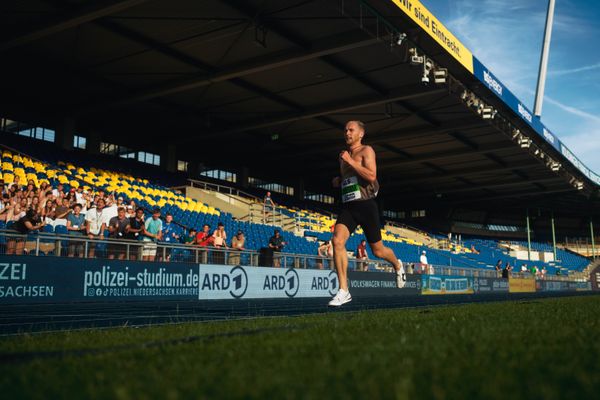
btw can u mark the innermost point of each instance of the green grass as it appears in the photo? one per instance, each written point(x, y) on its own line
point(544, 349)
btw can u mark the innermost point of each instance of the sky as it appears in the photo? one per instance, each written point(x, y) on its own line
point(507, 35)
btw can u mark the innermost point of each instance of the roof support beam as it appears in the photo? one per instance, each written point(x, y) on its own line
point(403, 93)
point(81, 17)
point(460, 173)
point(481, 187)
point(331, 45)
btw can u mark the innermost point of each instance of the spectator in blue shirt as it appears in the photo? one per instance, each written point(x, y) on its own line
point(152, 234)
point(76, 226)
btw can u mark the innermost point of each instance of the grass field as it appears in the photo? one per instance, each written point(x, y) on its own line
point(542, 349)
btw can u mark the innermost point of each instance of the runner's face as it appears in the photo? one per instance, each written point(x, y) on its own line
point(353, 133)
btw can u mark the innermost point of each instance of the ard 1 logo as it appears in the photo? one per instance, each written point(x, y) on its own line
point(329, 283)
point(235, 282)
point(289, 283)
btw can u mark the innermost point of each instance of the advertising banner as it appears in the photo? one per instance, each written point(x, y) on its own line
point(497, 87)
point(486, 285)
point(583, 286)
point(226, 282)
point(28, 279)
point(434, 28)
point(595, 278)
point(521, 285)
point(438, 284)
point(381, 284)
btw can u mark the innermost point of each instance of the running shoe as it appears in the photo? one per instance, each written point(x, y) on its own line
point(342, 297)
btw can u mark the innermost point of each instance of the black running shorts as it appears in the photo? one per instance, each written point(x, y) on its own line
point(364, 213)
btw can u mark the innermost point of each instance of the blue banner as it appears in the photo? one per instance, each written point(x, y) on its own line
point(502, 92)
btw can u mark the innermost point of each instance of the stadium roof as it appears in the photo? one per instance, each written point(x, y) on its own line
point(269, 84)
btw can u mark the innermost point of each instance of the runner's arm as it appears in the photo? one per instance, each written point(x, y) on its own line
point(367, 169)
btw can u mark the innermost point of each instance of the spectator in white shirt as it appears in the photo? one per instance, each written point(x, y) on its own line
point(423, 261)
point(97, 221)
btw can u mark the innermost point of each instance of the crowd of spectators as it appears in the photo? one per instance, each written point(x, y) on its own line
point(97, 216)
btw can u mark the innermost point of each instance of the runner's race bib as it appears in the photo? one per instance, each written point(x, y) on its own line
point(350, 189)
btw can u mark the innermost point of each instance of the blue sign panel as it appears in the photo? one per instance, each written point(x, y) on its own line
point(498, 88)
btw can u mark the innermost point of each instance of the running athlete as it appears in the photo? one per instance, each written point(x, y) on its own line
point(358, 182)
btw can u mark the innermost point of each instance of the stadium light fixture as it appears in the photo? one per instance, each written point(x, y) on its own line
point(579, 185)
point(415, 58)
point(427, 67)
point(400, 39)
point(524, 142)
point(516, 133)
point(440, 75)
point(553, 165)
point(488, 112)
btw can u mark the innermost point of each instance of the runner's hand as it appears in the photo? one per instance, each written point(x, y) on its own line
point(345, 156)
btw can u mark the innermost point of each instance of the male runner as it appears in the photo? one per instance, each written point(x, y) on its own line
point(359, 186)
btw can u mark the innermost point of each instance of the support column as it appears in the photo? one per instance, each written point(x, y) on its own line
point(64, 134)
point(299, 189)
point(242, 176)
point(168, 158)
point(528, 238)
point(593, 240)
point(553, 235)
point(93, 143)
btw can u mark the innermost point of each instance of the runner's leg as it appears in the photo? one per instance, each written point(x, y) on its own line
point(340, 257)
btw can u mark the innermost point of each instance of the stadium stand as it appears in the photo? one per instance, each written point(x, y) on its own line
point(311, 226)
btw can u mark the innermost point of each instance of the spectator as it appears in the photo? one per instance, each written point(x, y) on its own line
point(190, 238)
point(63, 210)
point(16, 185)
point(322, 253)
point(5, 207)
point(136, 230)
point(499, 268)
point(76, 227)
point(79, 195)
point(237, 244)
point(268, 206)
point(543, 273)
point(59, 192)
point(152, 234)
point(169, 234)
point(111, 208)
point(35, 204)
point(219, 240)
point(118, 227)
point(220, 236)
point(424, 263)
point(30, 222)
point(97, 222)
point(534, 271)
point(524, 269)
point(70, 196)
point(474, 250)
point(276, 243)
point(130, 212)
point(361, 255)
point(169, 230)
point(19, 208)
point(507, 271)
point(203, 238)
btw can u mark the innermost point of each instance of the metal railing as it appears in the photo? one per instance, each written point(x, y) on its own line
point(215, 187)
point(55, 245)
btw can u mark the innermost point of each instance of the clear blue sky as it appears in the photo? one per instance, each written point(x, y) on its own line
point(506, 36)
